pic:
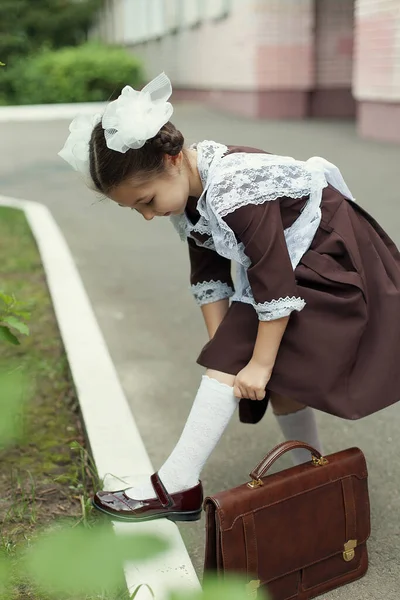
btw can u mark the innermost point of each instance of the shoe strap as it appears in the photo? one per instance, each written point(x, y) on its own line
point(162, 494)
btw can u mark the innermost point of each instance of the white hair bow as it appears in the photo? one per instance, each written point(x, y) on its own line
point(129, 122)
point(76, 148)
point(136, 117)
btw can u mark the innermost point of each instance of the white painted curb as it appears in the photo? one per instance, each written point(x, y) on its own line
point(48, 112)
point(114, 438)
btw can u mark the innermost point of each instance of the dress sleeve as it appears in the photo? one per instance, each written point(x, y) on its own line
point(270, 273)
point(210, 274)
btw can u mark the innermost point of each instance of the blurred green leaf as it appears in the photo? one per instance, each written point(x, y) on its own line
point(135, 593)
point(86, 561)
point(22, 314)
point(75, 446)
point(230, 588)
point(5, 575)
point(15, 323)
point(11, 313)
point(13, 397)
point(6, 299)
point(7, 336)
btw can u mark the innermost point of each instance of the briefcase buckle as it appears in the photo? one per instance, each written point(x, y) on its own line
point(349, 550)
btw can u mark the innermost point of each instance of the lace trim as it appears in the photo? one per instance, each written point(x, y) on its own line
point(254, 179)
point(277, 309)
point(244, 178)
point(209, 154)
point(181, 226)
point(240, 179)
point(211, 291)
point(207, 151)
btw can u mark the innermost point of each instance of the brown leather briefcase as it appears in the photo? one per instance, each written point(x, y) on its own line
point(297, 533)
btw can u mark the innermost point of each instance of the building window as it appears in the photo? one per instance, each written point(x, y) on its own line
point(135, 21)
point(156, 18)
point(192, 12)
point(217, 9)
point(173, 15)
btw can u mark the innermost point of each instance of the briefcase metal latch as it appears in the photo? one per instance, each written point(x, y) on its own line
point(255, 483)
point(253, 587)
point(319, 462)
point(349, 550)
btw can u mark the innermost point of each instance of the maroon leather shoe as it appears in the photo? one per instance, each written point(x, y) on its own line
point(182, 506)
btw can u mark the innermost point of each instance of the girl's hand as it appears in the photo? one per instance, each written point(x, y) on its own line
point(252, 381)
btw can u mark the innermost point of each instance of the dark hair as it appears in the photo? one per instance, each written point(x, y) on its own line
point(109, 168)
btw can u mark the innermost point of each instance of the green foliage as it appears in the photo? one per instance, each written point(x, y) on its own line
point(28, 25)
point(48, 59)
point(143, 585)
point(5, 576)
point(13, 397)
point(94, 556)
point(230, 588)
point(88, 73)
point(11, 319)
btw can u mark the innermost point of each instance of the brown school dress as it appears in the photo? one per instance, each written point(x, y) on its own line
point(340, 354)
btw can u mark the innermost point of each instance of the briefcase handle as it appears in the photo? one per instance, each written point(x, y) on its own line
point(261, 469)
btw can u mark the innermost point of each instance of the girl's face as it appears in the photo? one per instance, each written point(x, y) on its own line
point(163, 196)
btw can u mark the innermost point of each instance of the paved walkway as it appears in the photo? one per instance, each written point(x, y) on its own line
point(136, 275)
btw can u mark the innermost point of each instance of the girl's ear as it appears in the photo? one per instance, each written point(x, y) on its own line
point(173, 161)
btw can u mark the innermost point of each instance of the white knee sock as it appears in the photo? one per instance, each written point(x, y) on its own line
point(211, 412)
point(300, 426)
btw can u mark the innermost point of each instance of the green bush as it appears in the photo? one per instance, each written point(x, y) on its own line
point(26, 26)
point(87, 73)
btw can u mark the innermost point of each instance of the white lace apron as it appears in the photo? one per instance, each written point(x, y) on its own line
point(237, 180)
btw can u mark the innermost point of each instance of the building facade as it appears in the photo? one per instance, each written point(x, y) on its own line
point(272, 58)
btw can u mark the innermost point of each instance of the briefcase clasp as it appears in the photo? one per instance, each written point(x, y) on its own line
point(349, 550)
point(255, 483)
point(319, 462)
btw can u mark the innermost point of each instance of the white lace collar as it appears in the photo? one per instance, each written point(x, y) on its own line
point(208, 155)
point(208, 152)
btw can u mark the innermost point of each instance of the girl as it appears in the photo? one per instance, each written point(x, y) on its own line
point(314, 317)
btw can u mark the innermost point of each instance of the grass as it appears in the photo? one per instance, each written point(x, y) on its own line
point(48, 475)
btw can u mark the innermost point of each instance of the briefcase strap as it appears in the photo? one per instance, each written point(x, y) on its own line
point(262, 468)
point(351, 519)
point(250, 536)
point(211, 560)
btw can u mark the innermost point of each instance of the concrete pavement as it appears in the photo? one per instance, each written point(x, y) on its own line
point(136, 275)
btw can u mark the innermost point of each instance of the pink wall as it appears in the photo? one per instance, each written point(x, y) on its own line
point(219, 54)
point(377, 68)
point(334, 34)
point(289, 59)
point(284, 40)
point(334, 43)
point(262, 46)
